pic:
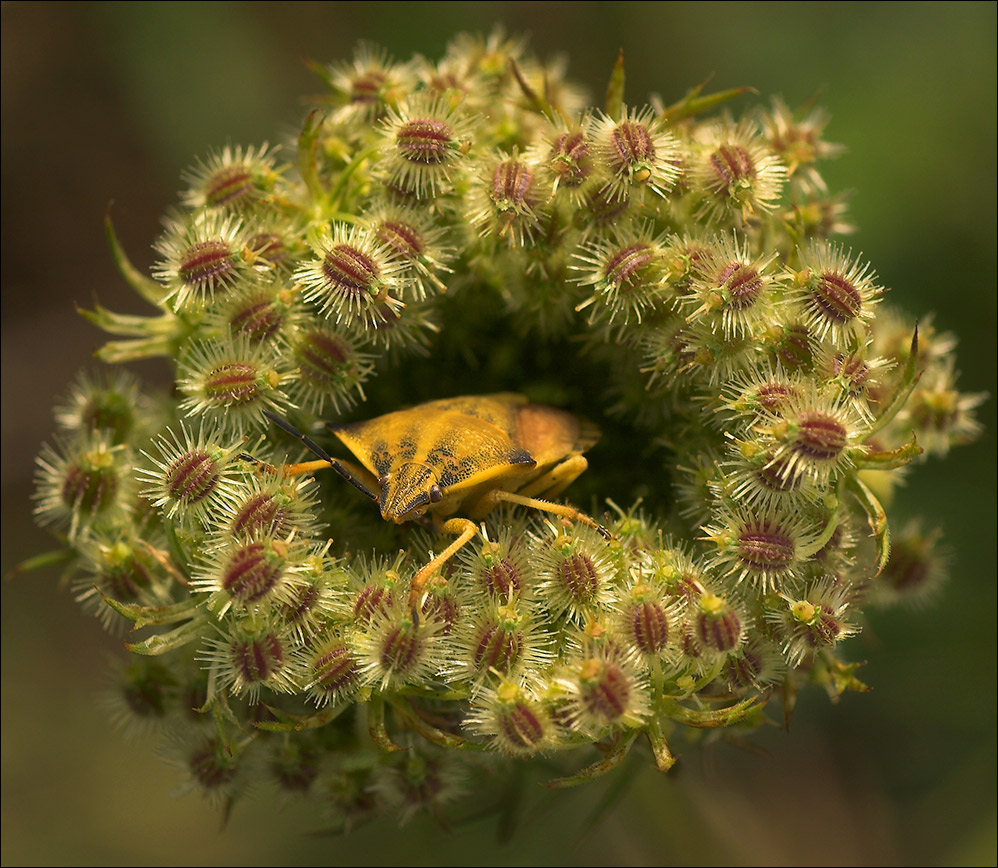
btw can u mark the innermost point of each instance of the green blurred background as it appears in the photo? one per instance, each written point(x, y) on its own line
point(109, 101)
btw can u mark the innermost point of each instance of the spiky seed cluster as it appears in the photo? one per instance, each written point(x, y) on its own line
point(330, 369)
point(507, 199)
point(575, 572)
point(627, 277)
point(605, 690)
point(834, 293)
point(203, 255)
point(738, 175)
point(232, 179)
point(82, 484)
point(513, 720)
point(634, 153)
point(231, 382)
point(258, 312)
point(253, 654)
point(352, 276)
point(567, 156)
point(334, 672)
point(730, 292)
point(426, 144)
point(771, 398)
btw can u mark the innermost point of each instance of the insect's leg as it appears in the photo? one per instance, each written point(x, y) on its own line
point(498, 495)
point(557, 479)
point(465, 530)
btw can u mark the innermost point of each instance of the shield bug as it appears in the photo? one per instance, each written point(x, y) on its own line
point(460, 455)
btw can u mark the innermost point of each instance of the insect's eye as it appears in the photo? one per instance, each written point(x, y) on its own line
point(383, 479)
point(436, 495)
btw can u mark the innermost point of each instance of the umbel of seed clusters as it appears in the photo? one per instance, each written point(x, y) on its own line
point(678, 270)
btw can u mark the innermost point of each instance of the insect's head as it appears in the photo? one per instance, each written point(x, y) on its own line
point(408, 491)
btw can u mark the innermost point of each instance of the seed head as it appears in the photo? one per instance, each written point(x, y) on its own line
point(634, 153)
point(756, 663)
point(565, 155)
point(940, 415)
point(626, 273)
point(82, 483)
point(575, 571)
point(501, 568)
point(295, 765)
point(232, 179)
point(427, 141)
point(916, 569)
point(512, 719)
point(606, 691)
point(418, 244)
point(330, 369)
point(646, 619)
point(834, 293)
point(394, 650)
point(815, 620)
point(231, 381)
point(817, 435)
point(718, 626)
point(261, 312)
point(730, 291)
point(421, 779)
point(334, 672)
point(736, 173)
point(212, 767)
point(192, 478)
point(254, 654)
point(762, 546)
point(106, 400)
point(367, 87)
point(507, 199)
point(799, 142)
point(352, 275)
point(501, 640)
point(268, 506)
point(124, 568)
point(202, 257)
point(250, 574)
point(147, 689)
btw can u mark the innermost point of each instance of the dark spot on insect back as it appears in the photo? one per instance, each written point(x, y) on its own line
point(441, 454)
point(380, 458)
point(406, 447)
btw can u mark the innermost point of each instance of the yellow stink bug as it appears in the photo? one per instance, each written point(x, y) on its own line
point(464, 455)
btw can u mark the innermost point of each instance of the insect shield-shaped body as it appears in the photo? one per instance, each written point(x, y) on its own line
point(461, 455)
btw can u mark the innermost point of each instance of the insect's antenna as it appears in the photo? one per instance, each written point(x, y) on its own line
point(310, 444)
